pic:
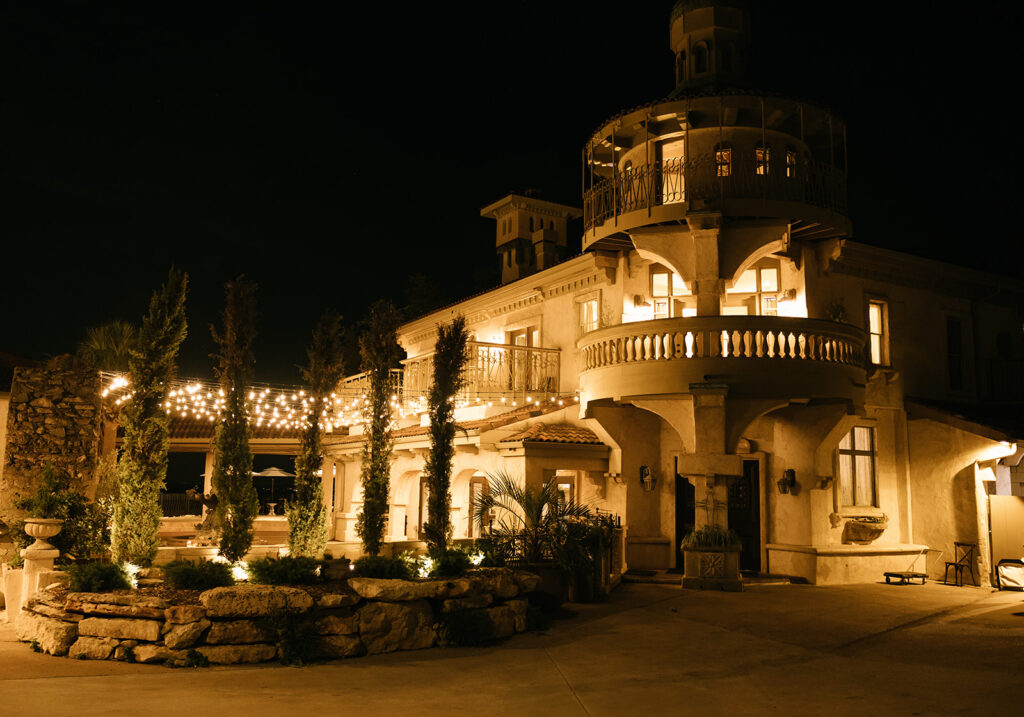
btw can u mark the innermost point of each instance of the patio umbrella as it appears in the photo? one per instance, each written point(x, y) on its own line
point(272, 473)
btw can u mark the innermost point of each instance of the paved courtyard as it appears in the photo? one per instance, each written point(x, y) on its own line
point(652, 649)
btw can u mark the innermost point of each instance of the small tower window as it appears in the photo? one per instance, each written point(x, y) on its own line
point(681, 66)
point(723, 160)
point(551, 224)
point(531, 224)
point(700, 58)
point(762, 158)
point(790, 162)
point(727, 57)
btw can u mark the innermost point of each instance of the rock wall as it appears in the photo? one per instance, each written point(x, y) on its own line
point(54, 417)
point(244, 623)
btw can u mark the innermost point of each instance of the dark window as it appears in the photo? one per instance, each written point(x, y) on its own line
point(955, 352)
point(531, 224)
point(700, 58)
point(681, 66)
point(727, 57)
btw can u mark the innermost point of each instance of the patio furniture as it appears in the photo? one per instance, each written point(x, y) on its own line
point(1010, 574)
point(963, 554)
point(904, 578)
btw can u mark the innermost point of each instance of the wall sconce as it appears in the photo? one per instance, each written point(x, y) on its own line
point(787, 481)
point(647, 479)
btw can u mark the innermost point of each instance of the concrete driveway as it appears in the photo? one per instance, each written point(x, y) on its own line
point(652, 649)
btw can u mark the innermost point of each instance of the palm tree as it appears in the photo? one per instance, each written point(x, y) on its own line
point(535, 521)
point(108, 346)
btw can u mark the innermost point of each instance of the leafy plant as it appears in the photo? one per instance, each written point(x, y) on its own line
point(307, 515)
point(194, 658)
point(379, 352)
point(466, 628)
point(34, 646)
point(237, 504)
point(97, 577)
point(378, 566)
point(108, 347)
point(450, 357)
point(712, 536)
point(534, 522)
point(151, 365)
point(450, 563)
point(289, 570)
point(84, 533)
point(204, 575)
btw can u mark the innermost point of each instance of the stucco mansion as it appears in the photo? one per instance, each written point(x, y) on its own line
point(721, 351)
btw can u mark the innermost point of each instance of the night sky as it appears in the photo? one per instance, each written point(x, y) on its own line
point(331, 155)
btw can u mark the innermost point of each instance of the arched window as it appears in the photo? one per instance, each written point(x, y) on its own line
point(551, 224)
point(531, 224)
point(681, 66)
point(762, 158)
point(700, 58)
point(723, 159)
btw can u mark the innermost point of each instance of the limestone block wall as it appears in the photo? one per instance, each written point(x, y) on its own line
point(54, 417)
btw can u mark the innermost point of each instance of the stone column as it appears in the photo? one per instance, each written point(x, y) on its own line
point(327, 473)
point(705, 230)
point(208, 479)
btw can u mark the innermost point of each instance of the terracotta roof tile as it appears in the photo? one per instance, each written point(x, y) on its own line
point(556, 433)
point(190, 428)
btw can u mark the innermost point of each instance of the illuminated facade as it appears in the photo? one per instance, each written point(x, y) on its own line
point(722, 351)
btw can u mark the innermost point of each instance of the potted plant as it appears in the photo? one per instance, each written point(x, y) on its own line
point(864, 529)
point(711, 559)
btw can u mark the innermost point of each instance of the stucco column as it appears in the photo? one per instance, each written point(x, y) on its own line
point(705, 230)
point(208, 479)
point(327, 486)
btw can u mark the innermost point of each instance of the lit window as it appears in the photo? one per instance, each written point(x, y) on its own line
point(723, 160)
point(790, 163)
point(665, 286)
point(762, 159)
point(755, 292)
point(857, 468)
point(878, 331)
point(588, 316)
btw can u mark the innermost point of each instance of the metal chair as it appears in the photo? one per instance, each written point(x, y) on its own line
point(963, 554)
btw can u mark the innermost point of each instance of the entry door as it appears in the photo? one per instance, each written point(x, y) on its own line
point(685, 514)
point(745, 513)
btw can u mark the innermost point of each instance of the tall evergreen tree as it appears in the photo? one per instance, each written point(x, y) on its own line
point(237, 503)
point(307, 515)
point(151, 366)
point(450, 356)
point(379, 351)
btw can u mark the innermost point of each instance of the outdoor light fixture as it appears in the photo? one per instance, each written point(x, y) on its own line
point(788, 481)
point(647, 479)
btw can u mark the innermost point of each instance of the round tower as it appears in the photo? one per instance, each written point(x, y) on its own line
point(710, 41)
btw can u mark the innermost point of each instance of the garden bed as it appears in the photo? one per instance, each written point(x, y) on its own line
point(259, 623)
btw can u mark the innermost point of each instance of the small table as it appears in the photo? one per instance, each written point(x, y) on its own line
point(905, 578)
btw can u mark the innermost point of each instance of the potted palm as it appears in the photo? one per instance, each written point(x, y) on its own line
point(711, 559)
point(536, 528)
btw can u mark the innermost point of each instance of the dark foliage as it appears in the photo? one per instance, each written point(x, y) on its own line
point(194, 658)
point(151, 366)
point(232, 469)
point(204, 575)
point(450, 356)
point(83, 535)
point(97, 577)
point(289, 570)
point(378, 566)
point(379, 352)
point(296, 637)
point(450, 563)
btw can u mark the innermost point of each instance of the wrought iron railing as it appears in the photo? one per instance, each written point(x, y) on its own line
point(493, 372)
point(711, 180)
point(175, 504)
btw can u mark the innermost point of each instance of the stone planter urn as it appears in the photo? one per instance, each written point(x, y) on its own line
point(712, 568)
point(42, 529)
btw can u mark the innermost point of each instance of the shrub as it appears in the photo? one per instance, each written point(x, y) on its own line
point(712, 536)
point(449, 563)
point(377, 566)
point(496, 551)
point(466, 628)
point(97, 577)
point(83, 534)
point(290, 570)
point(183, 575)
point(194, 658)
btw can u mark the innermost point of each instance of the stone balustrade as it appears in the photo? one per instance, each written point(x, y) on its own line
point(729, 347)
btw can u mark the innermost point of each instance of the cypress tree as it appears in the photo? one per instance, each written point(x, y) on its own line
point(237, 503)
point(151, 365)
point(379, 352)
point(307, 515)
point(450, 356)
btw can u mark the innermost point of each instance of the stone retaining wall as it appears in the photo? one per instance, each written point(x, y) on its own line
point(242, 623)
point(54, 417)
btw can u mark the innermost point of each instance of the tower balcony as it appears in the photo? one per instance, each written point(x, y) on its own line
point(757, 356)
point(809, 193)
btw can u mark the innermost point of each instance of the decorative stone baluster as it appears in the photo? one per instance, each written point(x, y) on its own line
point(771, 344)
point(792, 345)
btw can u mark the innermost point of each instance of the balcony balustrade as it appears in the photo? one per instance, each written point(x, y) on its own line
point(493, 372)
point(710, 181)
point(758, 355)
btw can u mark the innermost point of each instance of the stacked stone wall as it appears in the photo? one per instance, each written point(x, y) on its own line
point(54, 417)
point(241, 624)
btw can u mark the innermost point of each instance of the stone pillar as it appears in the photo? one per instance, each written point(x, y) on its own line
point(208, 479)
point(705, 230)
